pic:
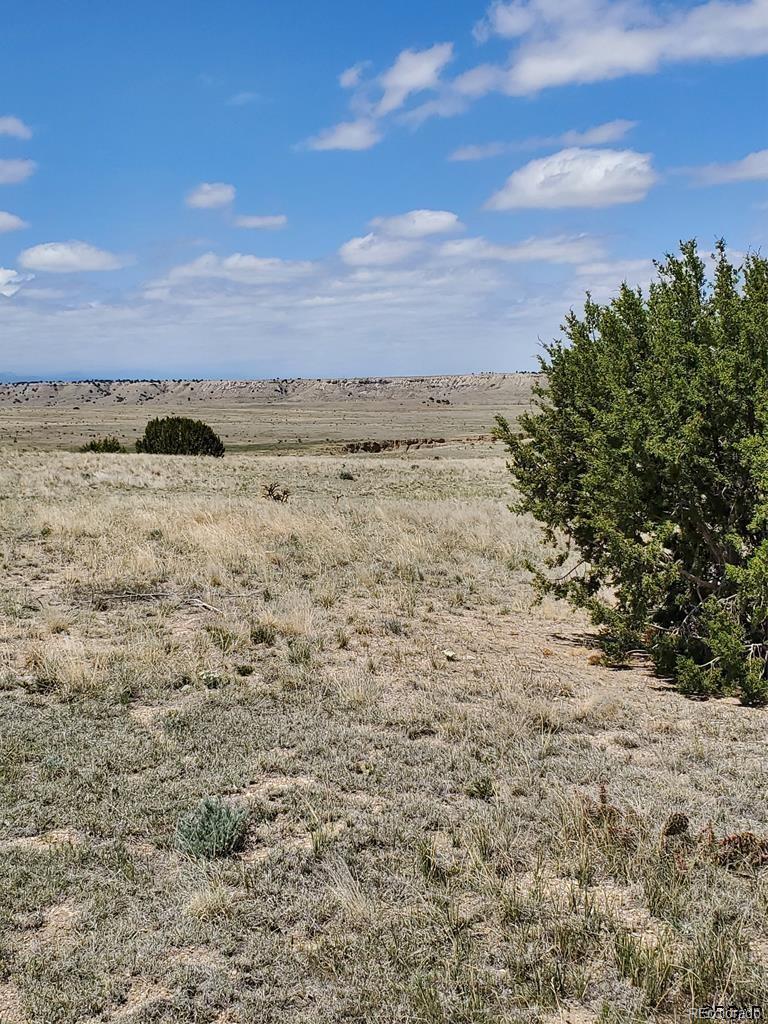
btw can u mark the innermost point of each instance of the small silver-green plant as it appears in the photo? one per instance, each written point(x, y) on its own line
point(212, 829)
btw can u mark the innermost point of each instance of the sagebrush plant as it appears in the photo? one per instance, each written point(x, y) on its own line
point(179, 435)
point(212, 829)
point(648, 454)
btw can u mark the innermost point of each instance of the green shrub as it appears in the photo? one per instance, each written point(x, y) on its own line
point(177, 435)
point(103, 444)
point(212, 829)
point(648, 457)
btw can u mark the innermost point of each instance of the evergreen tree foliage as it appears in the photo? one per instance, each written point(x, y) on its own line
point(647, 455)
point(178, 435)
point(103, 444)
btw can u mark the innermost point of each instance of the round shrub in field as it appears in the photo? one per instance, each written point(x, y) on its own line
point(648, 459)
point(177, 435)
point(103, 444)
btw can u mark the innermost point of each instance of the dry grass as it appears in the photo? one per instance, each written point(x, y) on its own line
point(455, 813)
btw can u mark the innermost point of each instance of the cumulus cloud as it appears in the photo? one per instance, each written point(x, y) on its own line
point(10, 222)
point(385, 304)
point(554, 43)
point(753, 167)
point(377, 251)
point(15, 127)
point(599, 135)
point(574, 249)
point(577, 177)
point(242, 268)
point(594, 40)
point(397, 238)
point(505, 20)
point(356, 135)
point(417, 223)
point(14, 171)
point(413, 71)
point(210, 195)
point(68, 258)
point(269, 223)
point(11, 281)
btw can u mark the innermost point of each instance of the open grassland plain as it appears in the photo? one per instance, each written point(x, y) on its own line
point(425, 800)
point(264, 415)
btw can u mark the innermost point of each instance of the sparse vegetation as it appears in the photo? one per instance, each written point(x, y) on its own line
point(263, 633)
point(275, 492)
point(648, 455)
point(426, 829)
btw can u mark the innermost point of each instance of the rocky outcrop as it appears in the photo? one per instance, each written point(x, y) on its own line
point(480, 388)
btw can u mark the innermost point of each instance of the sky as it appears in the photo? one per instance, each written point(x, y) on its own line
point(300, 189)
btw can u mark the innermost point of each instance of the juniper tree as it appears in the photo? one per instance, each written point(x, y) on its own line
point(178, 435)
point(647, 457)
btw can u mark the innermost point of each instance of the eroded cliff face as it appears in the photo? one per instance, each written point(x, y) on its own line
point(495, 388)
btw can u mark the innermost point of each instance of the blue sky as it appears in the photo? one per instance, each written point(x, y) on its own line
point(299, 189)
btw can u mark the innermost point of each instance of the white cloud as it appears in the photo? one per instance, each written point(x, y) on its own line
point(336, 322)
point(603, 278)
point(350, 78)
point(243, 315)
point(210, 195)
point(610, 131)
point(14, 171)
point(242, 268)
point(11, 281)
point(575, 249)
point(417, 223)
point(599, 135)
point(373, 250)
point(446, 105)
point(753, 167)
point(577, 177)
point(397, 238)
point(413, 71)
point(10, 222)
point(594, 40)
point(555, 43)
point(356, 135)
point(505, 20)
point(68, 258)
point(269, 223)
point(15, 127)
